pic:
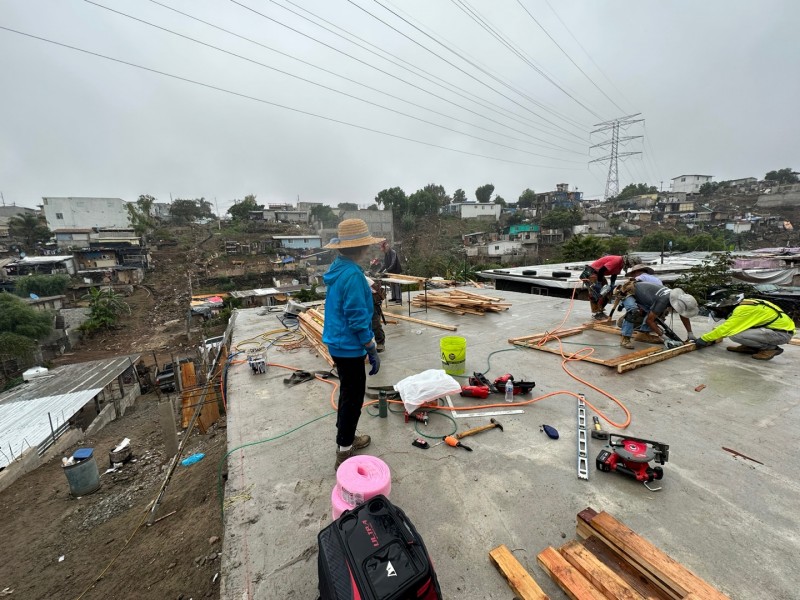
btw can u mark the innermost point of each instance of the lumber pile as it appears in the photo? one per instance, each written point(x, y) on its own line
point(613, 561)
point(460, 302)
point(311, 323)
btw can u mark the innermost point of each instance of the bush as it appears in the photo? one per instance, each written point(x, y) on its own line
point(710, 275)
point(42, 285)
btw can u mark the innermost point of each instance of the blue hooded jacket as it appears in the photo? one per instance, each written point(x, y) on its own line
point(348, 309)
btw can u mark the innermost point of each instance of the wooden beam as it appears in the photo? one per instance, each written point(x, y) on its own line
point(603, 578)
point(623, 569)
point(568, 578)
point(655, 357)
point(648, 559)
point(420, 321)
point(795, 341)
point(560, 333)
point(519, 580)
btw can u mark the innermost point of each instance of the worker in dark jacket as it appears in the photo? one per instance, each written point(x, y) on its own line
point(391, 264)
point(645, 302)
point(758, 326)
point(348, 331)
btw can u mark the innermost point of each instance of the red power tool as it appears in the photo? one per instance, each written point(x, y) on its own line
point(475, 391)
point(631, 456)
point(520, 387)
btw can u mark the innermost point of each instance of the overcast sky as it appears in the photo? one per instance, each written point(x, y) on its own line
point(716, 82)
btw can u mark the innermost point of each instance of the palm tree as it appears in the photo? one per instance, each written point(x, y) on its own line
point(30, 229)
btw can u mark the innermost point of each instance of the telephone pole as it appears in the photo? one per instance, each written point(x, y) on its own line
point(614, 126)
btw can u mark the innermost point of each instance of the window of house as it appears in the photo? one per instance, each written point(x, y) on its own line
point(683, 178)
point(59, 215)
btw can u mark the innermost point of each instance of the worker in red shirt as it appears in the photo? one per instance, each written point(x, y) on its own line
point(594, 278)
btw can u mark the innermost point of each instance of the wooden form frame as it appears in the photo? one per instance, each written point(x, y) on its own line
point(623, 363)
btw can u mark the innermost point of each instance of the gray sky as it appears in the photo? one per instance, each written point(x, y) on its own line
point(715, 80)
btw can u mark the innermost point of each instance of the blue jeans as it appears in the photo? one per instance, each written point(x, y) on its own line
point(629, 304)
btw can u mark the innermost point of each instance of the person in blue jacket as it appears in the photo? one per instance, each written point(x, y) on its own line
point(348, 331)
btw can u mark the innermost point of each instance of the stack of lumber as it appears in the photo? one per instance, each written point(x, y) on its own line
point(611, 562)
point(460, 302)
point(311, 323)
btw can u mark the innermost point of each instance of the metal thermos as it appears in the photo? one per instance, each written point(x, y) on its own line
point(383, 404)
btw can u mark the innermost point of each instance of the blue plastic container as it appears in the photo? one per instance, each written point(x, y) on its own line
point(83, 477)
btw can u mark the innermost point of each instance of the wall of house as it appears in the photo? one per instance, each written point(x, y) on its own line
point(691, 185)
point(301, 243)
point(480, 209)
point(76, 213)
point(379, 222)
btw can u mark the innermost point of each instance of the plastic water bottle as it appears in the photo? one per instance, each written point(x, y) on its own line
point(509, 391)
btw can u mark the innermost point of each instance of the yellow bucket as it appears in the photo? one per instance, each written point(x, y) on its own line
point(454, 354)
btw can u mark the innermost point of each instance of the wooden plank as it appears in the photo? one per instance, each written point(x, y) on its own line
point(420, 321)
point(209, 412)
point(544, 348)
point(560, 333)
point(188, 381)
point(658, 356)
point(519, 580)
point(604, 579)
point(629, 356)
point(652, 561)
point(795, 341)
point(623, 569)
point(568, 578)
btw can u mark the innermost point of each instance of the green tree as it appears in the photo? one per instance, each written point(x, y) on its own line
point(527, 199)
point(105, 308)
point(713, 273)
point(241, 209)
point(394, 198)
point(343, 206)
point(708, 188)
point(324, 214)
point(583, 247)
point(373, 207)
point(614, 223)
point(19, 318)
point(422, 203)
point(782, 176)
point(140, 214)
point(500, 200)
point(617, 245)
point(438, 192)
point(41, 285)
point(459, 196)
point(484, 193)
point(29, 229)
point(189, 211)
point(562, 218)
point(635, 189)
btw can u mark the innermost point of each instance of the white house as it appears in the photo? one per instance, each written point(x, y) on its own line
point(83, 213)
point(472, 210)
point(298, 242)
point(501, 247)
point(689, 184)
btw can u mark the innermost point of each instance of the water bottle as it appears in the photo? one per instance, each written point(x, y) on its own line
point(509, 391)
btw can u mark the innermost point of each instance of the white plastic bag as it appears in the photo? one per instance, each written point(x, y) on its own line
point(425, 387)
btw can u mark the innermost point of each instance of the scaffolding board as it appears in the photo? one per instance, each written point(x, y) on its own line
point(626, 361)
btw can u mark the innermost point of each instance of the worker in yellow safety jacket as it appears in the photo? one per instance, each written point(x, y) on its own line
point(758, 326)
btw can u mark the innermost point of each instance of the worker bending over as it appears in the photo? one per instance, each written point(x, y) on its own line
point(758, 326)
point(594, 278)
point(645, 302)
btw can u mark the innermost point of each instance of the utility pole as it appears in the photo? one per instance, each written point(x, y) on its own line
point(219, 218)
point(3, 198)
point(612, 181)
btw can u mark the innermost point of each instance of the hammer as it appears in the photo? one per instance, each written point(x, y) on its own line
point(597, 431)
point(492, 424)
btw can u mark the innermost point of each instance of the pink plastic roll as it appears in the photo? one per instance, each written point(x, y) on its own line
point(359, 478)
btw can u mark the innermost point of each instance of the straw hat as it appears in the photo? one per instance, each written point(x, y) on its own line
point(684, 304)
point(640, 267)
point(352, 233)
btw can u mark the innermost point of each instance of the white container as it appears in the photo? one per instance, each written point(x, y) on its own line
point(33, 373)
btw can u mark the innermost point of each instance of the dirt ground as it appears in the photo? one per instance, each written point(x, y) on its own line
point(56, 546)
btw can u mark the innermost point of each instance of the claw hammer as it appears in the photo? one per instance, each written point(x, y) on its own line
point(492, 424)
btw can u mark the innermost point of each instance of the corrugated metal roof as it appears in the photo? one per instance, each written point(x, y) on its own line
point(256, 292)
point(61, 392)
point(33, 260)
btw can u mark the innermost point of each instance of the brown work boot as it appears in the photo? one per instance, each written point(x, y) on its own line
point(361, 441)
point(626, 342)
point(381, 347)
point(767, 354)
point(742, 349)
point(341, 456)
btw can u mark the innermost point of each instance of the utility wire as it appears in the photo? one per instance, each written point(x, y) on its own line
point(482, 22)
point(577, 66)
point(331, 89)
point(270, 103)
point(452, 64)
point(430, 77)
point(586, 52)
point(389, 74)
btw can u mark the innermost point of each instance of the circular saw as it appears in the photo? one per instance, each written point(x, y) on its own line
point(632, 456)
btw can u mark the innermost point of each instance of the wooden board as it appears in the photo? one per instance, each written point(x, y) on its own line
point(188, 383)
point(519, 580)
point(623, 569)
point(420, 321)
point(656, 565)
point(568, 578)
point(602, 577)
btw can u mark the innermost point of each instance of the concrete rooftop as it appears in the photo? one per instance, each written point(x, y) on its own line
point(732, 521)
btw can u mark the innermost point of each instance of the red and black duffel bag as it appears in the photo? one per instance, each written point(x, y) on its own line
point(373, 552)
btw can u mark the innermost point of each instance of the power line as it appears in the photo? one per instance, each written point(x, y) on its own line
point(270, 103)
point(612, 182)
point(484, 23)
point(352, 96)
point(577, 66)
point(429, 77)
point(440, 57)
point(312, 38)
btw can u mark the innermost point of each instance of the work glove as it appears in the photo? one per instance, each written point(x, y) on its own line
point(692, 337)
point(701, 343)
point(372, 355)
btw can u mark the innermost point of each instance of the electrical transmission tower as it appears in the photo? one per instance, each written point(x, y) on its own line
point(612, 183)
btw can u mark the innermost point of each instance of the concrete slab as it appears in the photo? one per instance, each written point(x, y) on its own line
point(732, 521)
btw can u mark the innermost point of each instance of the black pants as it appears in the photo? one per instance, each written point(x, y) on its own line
point(352, 385)
point(377, 325)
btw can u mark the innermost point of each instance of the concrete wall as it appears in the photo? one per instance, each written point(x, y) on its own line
point(379, 222)
point(78, 213)
point(788, 196)
point(30, 459)
point(114, 410)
